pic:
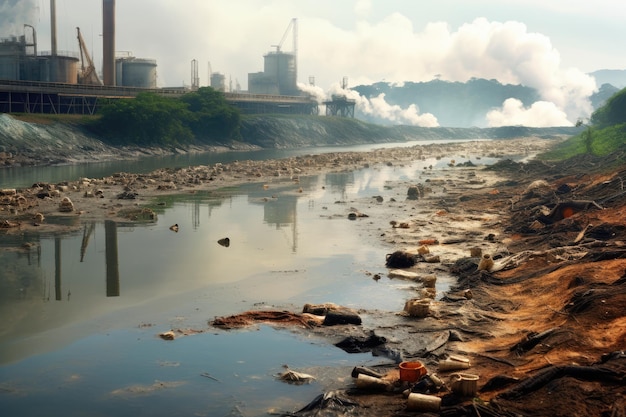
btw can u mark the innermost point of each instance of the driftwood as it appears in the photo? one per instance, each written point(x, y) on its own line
point(586, 373)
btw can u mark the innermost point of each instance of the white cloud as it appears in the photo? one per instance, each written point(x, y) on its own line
point(364, 40)
point(539, 114)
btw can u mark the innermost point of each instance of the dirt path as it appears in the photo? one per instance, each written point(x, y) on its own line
point(543, 327)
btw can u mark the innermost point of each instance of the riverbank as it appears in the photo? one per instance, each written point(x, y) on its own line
point(43, 140)
point(539, 329)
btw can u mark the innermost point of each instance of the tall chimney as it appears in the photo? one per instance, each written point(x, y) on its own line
point(108, 42)
point(53, 27)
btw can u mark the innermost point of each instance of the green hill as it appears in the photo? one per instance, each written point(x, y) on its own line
point(605, 133)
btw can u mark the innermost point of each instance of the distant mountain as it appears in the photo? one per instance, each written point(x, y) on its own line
point(457, 104)
point(616, 78)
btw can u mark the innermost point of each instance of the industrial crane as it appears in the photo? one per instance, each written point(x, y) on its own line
point(293, 25)
point(88, 74)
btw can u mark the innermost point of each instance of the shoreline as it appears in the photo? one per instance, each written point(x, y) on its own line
point(499, 326)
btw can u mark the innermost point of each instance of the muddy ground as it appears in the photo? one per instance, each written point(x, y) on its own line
point(544, 326)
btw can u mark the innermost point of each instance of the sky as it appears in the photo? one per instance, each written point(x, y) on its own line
point(549, 45)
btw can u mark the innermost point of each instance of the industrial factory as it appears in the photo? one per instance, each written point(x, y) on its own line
point(35, 81)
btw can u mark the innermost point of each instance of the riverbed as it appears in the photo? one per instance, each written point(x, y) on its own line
point(83, 309)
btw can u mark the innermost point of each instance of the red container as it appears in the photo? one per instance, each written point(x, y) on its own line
point(412, 371)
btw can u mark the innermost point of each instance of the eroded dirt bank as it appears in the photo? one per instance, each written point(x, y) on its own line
point(544, 328)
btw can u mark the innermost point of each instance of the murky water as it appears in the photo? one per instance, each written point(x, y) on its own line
point(81, 311)
point(20, 177)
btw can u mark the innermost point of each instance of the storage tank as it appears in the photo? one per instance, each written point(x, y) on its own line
point(282, 67)
point(135, 72)
point(60, 69)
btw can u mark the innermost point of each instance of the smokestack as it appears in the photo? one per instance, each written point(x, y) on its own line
point(108, 42)
point(53, 27)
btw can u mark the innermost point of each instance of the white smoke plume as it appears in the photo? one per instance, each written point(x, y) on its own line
point(14, 14)
point(507, 52)
point(539, 114)
point(378, 106)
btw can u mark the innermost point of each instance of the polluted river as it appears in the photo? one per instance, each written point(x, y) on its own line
point(87, 301)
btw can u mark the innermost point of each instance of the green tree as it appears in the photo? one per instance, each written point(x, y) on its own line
point(148, 119)
point(612, 113)
point(213, 118)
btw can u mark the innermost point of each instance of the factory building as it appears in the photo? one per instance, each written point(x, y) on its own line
point(279, 76)
point(135, 72)
point(19, 63)
point(218, 81)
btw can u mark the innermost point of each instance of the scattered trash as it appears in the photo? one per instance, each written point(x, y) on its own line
point(486, 263)
point(454, 363)
point(357, 370)
point(370, 383)
point(354, 344)
point(293, 377)
point(412, 371)
point(329, 403)
point(464, 385)
point(423, 402)
point(174, 228)
point(224, 242)
point(567, 209)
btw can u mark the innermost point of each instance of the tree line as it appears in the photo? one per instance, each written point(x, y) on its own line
point(203, 116)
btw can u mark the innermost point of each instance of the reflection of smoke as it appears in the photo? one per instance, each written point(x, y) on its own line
point(13, 15)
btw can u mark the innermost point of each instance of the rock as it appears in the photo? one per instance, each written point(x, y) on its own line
point(127, 195)
point(319, 309)
point(224, 242)
point(167, 335)
point(66, 205)
point(400, 259)
point(399, 273)
point(343, 316)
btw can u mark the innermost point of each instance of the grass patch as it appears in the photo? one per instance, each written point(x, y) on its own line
point(48, 119)
point(598, 142)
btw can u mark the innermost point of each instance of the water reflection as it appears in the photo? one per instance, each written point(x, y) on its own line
point(57, 269)
point(112, 266)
